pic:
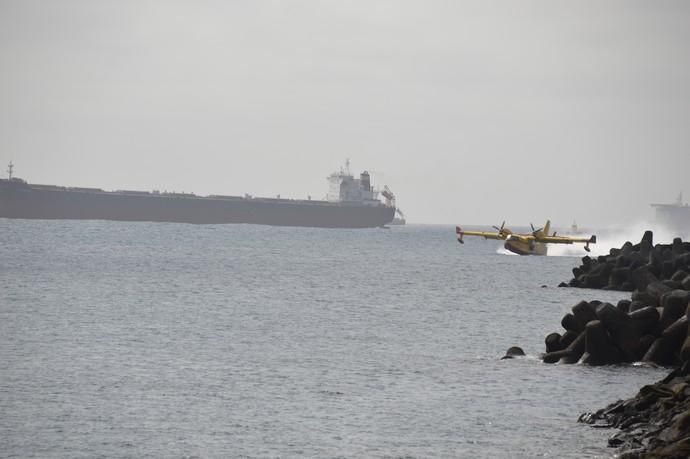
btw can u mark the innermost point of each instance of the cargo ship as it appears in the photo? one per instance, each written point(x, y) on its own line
point(675, 217)
point(350, 203)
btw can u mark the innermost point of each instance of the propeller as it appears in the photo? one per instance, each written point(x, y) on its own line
point(501, 228)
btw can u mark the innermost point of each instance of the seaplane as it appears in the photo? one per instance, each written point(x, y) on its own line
point(534, 243)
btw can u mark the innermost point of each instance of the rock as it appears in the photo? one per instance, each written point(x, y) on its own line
point(609, 315)
point(624, 332)
point(583, 313)
point(647, 237)
point(598, 276)
point(673, 285)
point(653, 424)
point(553, 342)
point(568, 322)
point(674, 305)
point(554, 357)
point(668, 267)
point(643, 297)
point(666, 349)
point(655, 290)
point(627, 286)
point(685, 350)
point(645, 320)
point(646, 342)
point(586, 263)
point(679, 276)
point(677, 247)
point(657, 353)
point(676, 334)
point(635, 305)
point(599, 348)
point(567, 339)
point(575, 350)
point(624, 305)
point(619, 276)
point(571, 354)
point(642, 277)
point(513, 352)
point(645, 249)
point(683, 261)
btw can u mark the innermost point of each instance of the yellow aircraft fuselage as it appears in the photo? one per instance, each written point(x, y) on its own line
point(525, 247)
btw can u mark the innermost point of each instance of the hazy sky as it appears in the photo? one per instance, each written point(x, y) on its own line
point(472, 112)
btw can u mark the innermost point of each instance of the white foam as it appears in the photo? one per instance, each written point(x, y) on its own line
point(614, 237)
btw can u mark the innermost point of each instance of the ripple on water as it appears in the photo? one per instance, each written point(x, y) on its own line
point(139, 339)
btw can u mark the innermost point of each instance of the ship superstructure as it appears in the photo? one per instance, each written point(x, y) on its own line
point(344, 187)
point(350, 203)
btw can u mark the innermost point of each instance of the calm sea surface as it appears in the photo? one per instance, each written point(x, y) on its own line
point(172, 340)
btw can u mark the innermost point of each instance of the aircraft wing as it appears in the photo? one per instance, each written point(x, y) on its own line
point(567, 239)
point(522, 237)
point(485, 234)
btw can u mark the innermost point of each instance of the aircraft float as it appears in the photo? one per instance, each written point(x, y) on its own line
point(534, 243)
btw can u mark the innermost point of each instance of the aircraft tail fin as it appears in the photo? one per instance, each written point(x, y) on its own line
point(547, 227)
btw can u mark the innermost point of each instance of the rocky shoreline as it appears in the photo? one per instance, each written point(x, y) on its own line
point(616, 271)
point(653, 424)
point(650, 327)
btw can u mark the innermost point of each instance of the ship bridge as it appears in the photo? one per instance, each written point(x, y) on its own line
point(344, 187)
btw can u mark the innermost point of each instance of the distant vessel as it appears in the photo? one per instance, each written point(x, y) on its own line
point(350, 203)
point(675, 217)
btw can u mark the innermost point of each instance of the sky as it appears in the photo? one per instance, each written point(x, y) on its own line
point(471, 112)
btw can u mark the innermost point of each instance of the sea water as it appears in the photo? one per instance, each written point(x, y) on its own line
point(173, 340)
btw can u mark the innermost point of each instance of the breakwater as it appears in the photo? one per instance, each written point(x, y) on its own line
point(650, 327)
point(616, 271)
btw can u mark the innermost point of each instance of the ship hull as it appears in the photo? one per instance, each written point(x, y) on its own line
point(674, 217)
point(31, 203)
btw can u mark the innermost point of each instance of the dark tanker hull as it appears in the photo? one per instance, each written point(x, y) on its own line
point(22, 200)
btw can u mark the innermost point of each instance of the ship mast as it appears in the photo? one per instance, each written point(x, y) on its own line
point(10, 168)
